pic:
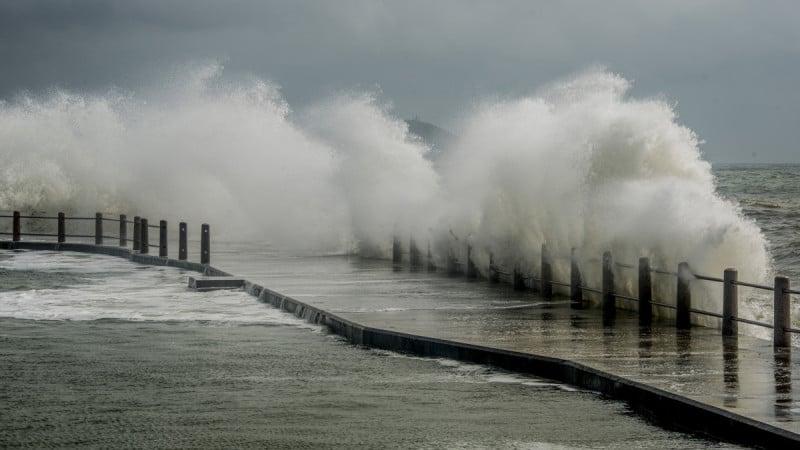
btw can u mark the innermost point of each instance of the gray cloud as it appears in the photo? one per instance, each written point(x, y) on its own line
point(730, 66)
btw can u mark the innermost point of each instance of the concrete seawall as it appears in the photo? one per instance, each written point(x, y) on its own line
point(668, 409)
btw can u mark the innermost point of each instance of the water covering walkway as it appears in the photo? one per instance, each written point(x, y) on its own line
point(740, 385)
point(743, 376)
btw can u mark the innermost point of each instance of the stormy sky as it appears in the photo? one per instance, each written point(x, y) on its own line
point(730, 67)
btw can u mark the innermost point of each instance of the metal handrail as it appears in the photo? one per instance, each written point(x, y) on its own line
point(753, 285)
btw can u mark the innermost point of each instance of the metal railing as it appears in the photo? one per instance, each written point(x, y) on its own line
point(140, 240)
point(729, 315)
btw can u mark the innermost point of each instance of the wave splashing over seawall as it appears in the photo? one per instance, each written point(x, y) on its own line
point(579, 164)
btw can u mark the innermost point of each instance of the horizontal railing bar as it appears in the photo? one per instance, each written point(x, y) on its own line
point(664, 305)
point(753, 285)
point(626, 297)
point(6, 217)
point(703, 277)
point(79, 235)
point(38, 234)
point(627, 266)
point(106, 219)
point(110, 237)
point(39, 217)
point(557, 283)
point(587, 288)
point(791, 291)
point(3, 232)
point(752, 322)
point(791, 330)
point(153, 226)
point(706, 313)
point(664, 272)
point(79, 218)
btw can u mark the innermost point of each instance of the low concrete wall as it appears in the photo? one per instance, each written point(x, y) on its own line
point(665, 408)
point(120, 252)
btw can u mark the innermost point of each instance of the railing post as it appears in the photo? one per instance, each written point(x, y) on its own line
point(413, 254)
point(519, 280)
point(145, 244)
point(452, 267)
point(162, 238)
point(182, 241)
point(137, 233)
point(205, 244)
point(123, 230)
point(431, 264)
point(683, 299)
point(472, 272)
point(645, 293)
point(494, 276)
point(62, 228)
point(397, 252)
point(575, 292)
point(782, 337)
point(609, 300)
point(546, 273)
point(730, 303)
point(98, 229)
point(15, 228)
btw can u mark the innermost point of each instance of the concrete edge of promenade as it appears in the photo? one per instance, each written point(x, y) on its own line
point(665, 408)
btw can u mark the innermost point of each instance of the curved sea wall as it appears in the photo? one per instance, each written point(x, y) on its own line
point(668, 409)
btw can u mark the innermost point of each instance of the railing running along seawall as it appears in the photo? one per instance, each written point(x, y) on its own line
point(140, 241)
point(781, 326)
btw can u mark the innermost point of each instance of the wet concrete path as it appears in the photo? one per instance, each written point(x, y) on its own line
point(743, 375)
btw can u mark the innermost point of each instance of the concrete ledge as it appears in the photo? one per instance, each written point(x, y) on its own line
point(665, 408)
point(668, 409)
point(213, 283)
point(121, 252)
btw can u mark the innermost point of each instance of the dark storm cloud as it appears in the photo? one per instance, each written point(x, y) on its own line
point(730, 66)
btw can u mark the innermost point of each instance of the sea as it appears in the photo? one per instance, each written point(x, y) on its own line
point(99, 352)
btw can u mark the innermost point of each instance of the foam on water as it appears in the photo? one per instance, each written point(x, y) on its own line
point(111, 288)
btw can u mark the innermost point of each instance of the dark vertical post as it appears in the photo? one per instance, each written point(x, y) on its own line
point(162, 238)
point(472, 272)
point(609, 300)
point(519, 281)
point(546, 274)
point(413, 254)
point(182, 241)
point(494, 275)
point(452, 267)
point(575, 292)
point(782, 337)
point(431, 264)
point(730, 303)
point(145, 244)
point(645, 293)
point(98, 229)
point(397, 252)
point(137, 233)
point(683, 299)
point(62, 227)
point(15, 229)
point(123, 230)
point(205, 244)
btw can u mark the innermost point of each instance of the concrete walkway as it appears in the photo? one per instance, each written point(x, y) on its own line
point(743, 377)
point(737, 389)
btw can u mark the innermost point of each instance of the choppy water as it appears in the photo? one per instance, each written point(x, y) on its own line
point(770, 195)
point(100, 352)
